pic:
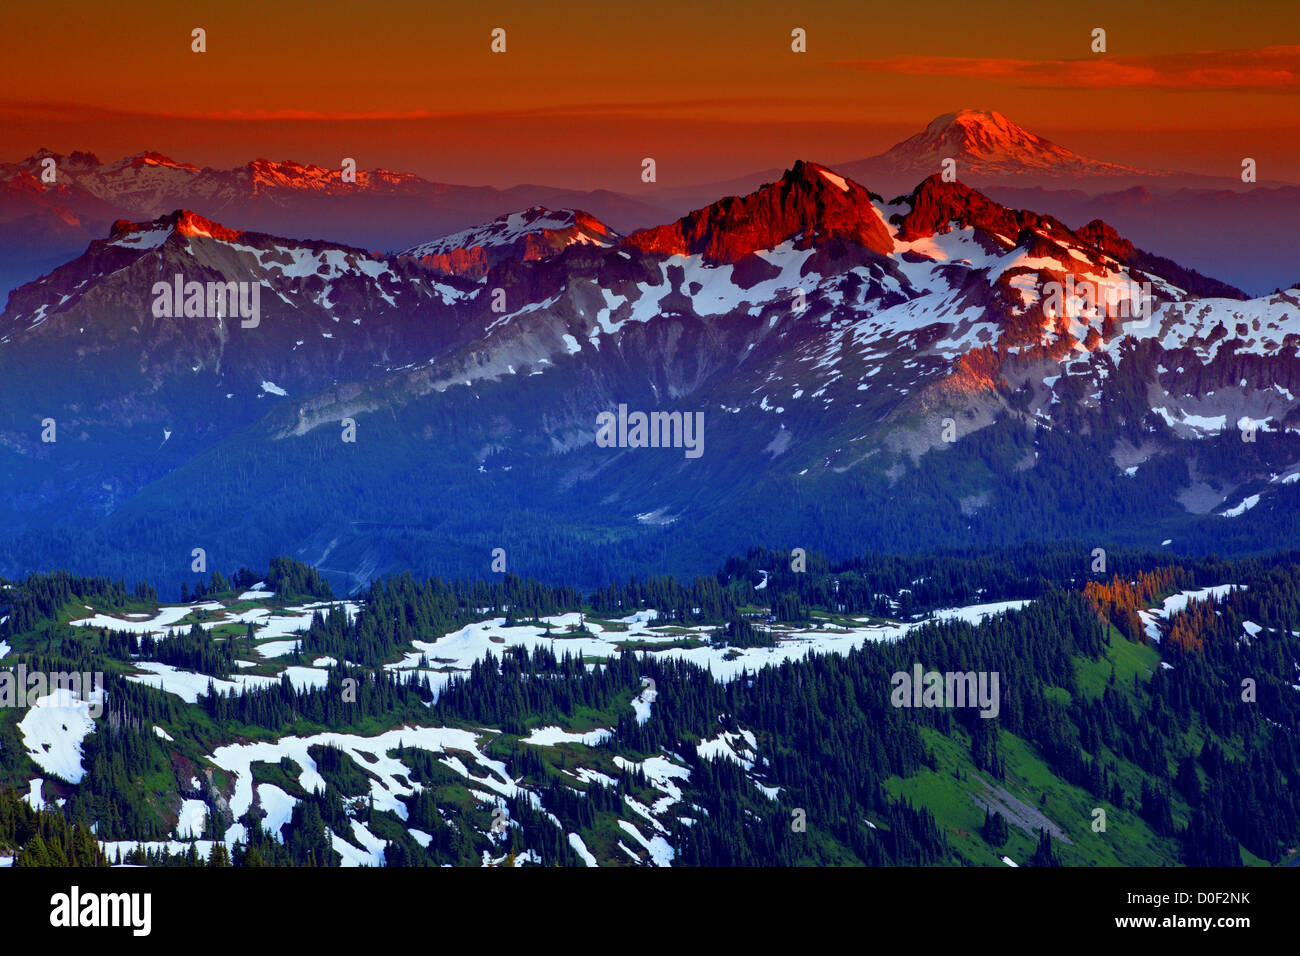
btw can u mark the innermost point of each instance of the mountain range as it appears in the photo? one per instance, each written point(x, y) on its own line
point(42, 225)
point(921, 371)
point(1241, 232)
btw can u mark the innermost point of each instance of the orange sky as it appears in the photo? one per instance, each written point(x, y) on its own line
point(586, 89)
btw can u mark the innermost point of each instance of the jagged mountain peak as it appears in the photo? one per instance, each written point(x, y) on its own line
point(183, 222)
point(936, 206)
point(529, 235)
point(150, 158)
point(78, 160)
point(153, 158)
point(809, 205)
point(290, 174)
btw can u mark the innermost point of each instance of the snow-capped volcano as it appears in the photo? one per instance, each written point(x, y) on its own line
point(987, 147)
point(989, 142)
point(532, 234)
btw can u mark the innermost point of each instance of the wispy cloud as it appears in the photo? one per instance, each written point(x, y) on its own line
point(1274, 69)
point(736, 108)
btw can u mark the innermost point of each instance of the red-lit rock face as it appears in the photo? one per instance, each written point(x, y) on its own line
point(936, 203)
point(182, 221)
point(461, 262)
point(528, 236)
point(809, 205)
point(1098, 233)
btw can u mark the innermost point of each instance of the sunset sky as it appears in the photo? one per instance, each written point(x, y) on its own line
point(586, 89)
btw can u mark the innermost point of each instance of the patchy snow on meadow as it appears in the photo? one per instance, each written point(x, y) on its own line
point(268, 624)
point(580, 848)
point(660, 851)
point(374, 847)
point(975, 613)
point(1176, 603)
point(462, 751)
point(662, 774)
point(193, 815)
point(53, 730)
point(190, 685)
point(459, 649)
point(278, 648)
point(278, 807)
point(33, 797)
point(162, 622)
point(391, 776)
point(641, 704)
point(724, 745)
point(550, 736)
point(1241, 509)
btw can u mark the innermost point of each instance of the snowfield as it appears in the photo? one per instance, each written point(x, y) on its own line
point(193, 816)
point(458, 650)
point(550, 736)
point(189, 686)
point(267, 623)
point(53, 730)
point(1178, 602)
